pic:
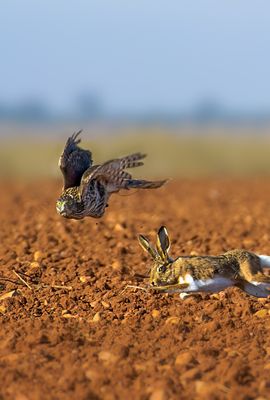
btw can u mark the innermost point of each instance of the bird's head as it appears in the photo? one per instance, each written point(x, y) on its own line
point(68, 206)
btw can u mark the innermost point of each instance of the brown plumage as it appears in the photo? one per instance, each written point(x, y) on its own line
point(87, 187)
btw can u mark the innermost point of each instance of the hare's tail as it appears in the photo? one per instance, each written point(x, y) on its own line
point(265, 261)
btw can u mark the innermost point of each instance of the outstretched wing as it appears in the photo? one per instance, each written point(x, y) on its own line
point(74, 161)
point(112, 173)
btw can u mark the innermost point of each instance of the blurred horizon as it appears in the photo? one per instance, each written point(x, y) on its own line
point(139, 61)
point(184, 81)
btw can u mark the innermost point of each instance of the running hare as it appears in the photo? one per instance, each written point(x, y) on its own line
point(190, 274)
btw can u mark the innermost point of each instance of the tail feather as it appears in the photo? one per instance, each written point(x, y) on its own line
point(117, 166)
point(142, 184)
point(132, 161)
point(265, 261)
point(113, 172)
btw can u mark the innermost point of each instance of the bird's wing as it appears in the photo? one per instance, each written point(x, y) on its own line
point(94, 192)
point(112, 172)
point(74, 161)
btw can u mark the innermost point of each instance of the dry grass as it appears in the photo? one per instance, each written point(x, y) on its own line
point(169, 154)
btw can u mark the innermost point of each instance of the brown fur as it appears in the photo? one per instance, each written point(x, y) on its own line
point(240, 268)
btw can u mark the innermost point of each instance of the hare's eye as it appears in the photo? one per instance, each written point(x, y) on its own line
point(162, 269)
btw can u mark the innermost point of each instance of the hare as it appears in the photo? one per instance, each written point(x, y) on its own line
point(191, 274)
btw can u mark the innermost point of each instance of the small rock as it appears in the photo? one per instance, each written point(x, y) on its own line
point(92, 375)
point(193, 373)
point(207, 389)
point(155, 313)
point(248, 243)
point(193, 253)
point(261, 313)
point(118, 227)
point(140, 367)
point(34, 266)
point(267, 366)
point(116, 265)
point(21, 396)
point(184, 358)
point(3, 309)
point(9, 294)
point(233, 353)
point(96, 317)
point(105, 304)
point(83, 279)
point(108, 357)
point(67, 314)
point(248, 219)
point(172, 320)
point(215, 296)
point(201, 387)
point(38, 255)
point(158, 394)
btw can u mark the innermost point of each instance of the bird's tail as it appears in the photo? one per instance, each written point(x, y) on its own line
point(142, 184)
point(113, 172)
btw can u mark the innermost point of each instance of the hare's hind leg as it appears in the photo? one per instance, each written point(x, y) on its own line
point(262, 282)
point(254, 281)
point(255, 289)
point(251, 269)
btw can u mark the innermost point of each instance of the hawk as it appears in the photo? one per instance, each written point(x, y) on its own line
point(87, 187)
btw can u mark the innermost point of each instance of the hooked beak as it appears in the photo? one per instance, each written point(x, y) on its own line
point(60, 207)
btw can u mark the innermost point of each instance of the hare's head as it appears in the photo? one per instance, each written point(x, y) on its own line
point(162, 272)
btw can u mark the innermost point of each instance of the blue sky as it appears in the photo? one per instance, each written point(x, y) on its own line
point(137, 54)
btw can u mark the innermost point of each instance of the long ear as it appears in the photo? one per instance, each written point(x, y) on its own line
point(163, 243)
point(146, 245)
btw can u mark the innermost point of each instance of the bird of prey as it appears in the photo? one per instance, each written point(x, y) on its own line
point(87, 187)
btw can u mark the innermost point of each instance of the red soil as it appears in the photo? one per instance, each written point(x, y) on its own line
point(94, 339)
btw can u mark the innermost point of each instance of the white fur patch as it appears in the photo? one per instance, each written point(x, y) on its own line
point(189, 279)
point(265, 261)
point(181, 280)
point(213, 285)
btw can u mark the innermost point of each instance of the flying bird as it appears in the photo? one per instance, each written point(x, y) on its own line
point(87, 187)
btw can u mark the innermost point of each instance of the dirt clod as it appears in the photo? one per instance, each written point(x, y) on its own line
point(82, 331)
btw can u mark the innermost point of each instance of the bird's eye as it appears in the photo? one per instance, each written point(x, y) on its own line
point(162, 268)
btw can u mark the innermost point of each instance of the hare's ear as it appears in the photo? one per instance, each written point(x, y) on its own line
point(163, 243)
point(146, 245)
